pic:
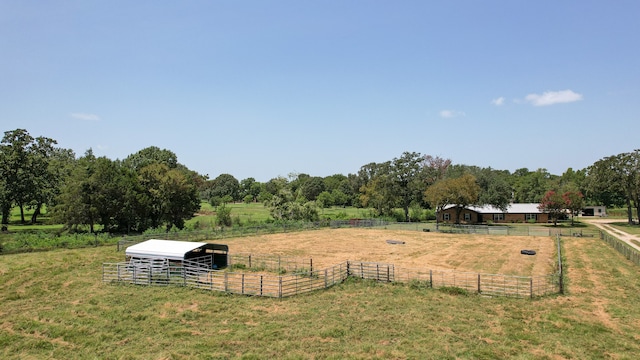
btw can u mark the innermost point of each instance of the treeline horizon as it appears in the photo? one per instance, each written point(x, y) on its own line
point(151, 188)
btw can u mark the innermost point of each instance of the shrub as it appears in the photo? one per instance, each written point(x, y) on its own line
point(416, 213)
point(223, 216)
point(454, 290)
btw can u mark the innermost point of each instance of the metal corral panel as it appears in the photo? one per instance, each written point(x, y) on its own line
point(164, 249)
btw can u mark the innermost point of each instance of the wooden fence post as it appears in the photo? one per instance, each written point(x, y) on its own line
point(479, 289)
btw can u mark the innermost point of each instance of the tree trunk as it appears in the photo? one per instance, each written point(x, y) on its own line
point(36, 213)
point(21, 214)
point(6, 212)
point(458, 212)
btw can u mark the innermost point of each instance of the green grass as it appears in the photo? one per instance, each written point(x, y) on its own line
point(54, 305)
point(257, 213)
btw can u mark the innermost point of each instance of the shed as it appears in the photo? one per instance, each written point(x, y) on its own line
point(178, 251)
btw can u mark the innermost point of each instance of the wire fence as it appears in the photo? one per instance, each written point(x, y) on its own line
point(514, 230)
point(518, 230)
point(622, 247)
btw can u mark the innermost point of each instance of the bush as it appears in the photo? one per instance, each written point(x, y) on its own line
point(429, 214)
point(398, 215)
point(223, 216)
point(416, 213)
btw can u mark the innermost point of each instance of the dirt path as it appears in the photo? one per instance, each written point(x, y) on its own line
point(603, 224)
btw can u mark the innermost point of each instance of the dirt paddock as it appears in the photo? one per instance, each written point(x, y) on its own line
point(496, 254)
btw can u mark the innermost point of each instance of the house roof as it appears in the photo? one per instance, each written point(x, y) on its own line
point(529, 208)
point(164, 249)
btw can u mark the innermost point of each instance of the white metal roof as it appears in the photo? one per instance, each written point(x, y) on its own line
point(165, 249)
point(530, 208)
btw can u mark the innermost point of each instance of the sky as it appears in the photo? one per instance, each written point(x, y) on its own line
point(271, 88)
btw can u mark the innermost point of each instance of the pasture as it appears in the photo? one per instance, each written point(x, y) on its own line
point(54, 305)
point(495, 254)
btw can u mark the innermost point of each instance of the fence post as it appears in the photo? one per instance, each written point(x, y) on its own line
point(561, 278)
point(242, 284)
point(326, 278)
point(431, 279)
point(479, 290)
point(226, 282)
point(249, 261)
point(280, 287)
point(531, 287)
point(261, 284)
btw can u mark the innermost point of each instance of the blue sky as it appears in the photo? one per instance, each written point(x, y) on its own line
point(268, 88)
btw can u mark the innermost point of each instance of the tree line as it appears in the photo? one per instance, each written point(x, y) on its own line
point(151, 189)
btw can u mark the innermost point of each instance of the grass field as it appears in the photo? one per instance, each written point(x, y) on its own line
point(53, 305)
point(495, 254)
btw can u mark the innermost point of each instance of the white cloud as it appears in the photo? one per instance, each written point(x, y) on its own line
point(447, 114)
point(498, 102)
point(553, 97)
point(85, 116)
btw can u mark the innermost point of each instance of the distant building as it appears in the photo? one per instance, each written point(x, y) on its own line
point(515, 213)
point(600, 211)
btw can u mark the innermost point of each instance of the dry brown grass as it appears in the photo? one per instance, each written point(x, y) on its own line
point(496, 254)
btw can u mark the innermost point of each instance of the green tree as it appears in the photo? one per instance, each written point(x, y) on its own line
point(225, 185)
point(458, 192)
point(169, 197)
point(378, 190)
point(24, 166)
point(181, 200)
point(409, 179)
point(530, 186)
point(5, 205)
point(77, 204)
point(495, 189)
point(339, 198)
point(151, 155)
point(324, 200)
point(334, 182)
point(312, 187)
point(616, 179)
point(249, 187)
